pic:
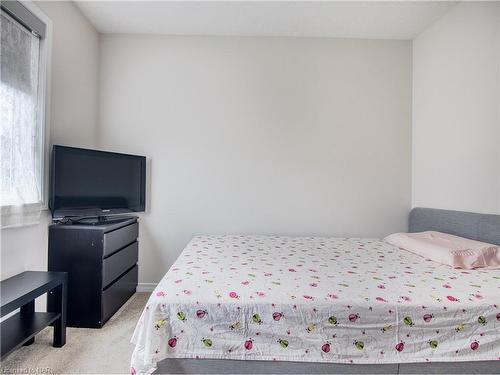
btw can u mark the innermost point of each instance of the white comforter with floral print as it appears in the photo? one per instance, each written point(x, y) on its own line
point(317, 300)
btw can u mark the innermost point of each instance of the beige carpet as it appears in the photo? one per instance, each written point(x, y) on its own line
point(87, 351)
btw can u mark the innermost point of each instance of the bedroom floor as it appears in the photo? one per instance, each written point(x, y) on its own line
point(86, 350)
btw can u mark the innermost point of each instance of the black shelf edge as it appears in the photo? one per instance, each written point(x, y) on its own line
point(18, 329)
point(18, 290)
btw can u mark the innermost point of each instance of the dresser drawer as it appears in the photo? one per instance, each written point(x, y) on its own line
point(118, 263)
point(118, 293)
point(119, 238)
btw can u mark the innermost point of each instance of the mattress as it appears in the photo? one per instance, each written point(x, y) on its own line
point(314, 299)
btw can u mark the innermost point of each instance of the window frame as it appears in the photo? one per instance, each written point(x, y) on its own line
point(44, 91)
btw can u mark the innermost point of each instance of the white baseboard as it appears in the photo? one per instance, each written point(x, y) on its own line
point(146, 287)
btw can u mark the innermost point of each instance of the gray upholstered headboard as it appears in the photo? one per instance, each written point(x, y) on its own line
point(480, 227)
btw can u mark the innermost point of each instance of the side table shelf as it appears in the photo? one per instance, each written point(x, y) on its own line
point(19, 292)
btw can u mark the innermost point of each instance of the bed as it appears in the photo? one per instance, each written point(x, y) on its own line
point(296, 302)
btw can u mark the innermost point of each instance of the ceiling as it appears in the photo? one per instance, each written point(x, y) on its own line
point(346, 19)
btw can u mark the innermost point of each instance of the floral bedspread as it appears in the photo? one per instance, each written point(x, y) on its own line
point(342, 300)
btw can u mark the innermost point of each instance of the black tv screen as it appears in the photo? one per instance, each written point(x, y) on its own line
point(87, 183)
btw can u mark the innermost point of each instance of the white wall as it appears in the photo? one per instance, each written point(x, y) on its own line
point(75, 76)
point(260, 135)
point(456, 111)
point(74, 103)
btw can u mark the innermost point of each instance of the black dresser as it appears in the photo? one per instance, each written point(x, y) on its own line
point(101, 261)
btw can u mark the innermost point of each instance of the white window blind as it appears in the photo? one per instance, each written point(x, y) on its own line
point(21, 127)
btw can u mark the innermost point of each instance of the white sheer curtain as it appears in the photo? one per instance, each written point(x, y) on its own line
point(20, 133)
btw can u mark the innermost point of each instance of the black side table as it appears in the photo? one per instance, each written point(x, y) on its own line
point(20, 291)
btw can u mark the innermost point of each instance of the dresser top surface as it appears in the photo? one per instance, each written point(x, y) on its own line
point(104, 226)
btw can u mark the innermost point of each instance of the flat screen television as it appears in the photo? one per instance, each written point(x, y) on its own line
point(91, 183)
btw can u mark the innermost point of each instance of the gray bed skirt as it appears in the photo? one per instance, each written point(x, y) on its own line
point(226, 366)
point(480, 227)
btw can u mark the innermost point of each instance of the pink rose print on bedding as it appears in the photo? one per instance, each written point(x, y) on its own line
point(353, 317)
point(201, 313)
point(474, 345)
point(277, 316)
point(326, 347)
point(400, 346)
point(172, 342)
point(427, 317)
point(234, 295)
point(249, 344)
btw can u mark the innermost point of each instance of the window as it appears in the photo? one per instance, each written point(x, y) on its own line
point(23, 62)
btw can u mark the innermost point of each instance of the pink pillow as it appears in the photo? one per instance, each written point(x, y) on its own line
point(457, 252)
